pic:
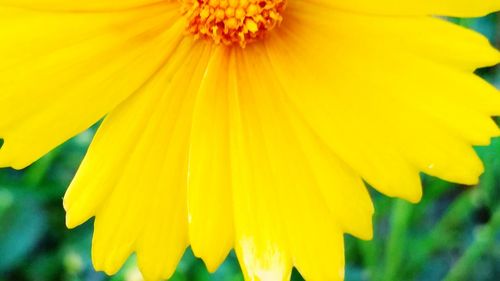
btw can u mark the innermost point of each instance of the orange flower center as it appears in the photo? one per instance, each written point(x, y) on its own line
point(231, 22)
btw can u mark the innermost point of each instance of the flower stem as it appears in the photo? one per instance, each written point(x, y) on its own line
point(395, 251)
point(484, 239)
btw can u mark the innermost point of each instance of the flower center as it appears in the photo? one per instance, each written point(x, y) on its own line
point(232, 21)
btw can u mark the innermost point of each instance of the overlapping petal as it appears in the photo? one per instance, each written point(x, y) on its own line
point(80, 5)
point(406, 111)
point(61, 72)
point(281, 207)
point(210, 203)
point(262, 149)
point(135, 174)
point(457, 8)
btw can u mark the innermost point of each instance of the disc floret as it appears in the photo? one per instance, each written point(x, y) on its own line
point(231, 22)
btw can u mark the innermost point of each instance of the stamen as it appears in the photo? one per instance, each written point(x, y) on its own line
point(231, 22)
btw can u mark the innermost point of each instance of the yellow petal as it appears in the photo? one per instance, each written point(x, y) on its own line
point(164, 239)
point(282, 180)
point(109, 149)
point(260, 240)
point(211, 230)
point(78, 5)
point(140, 198)
point(458, 8)
point(385, 124)
point(79, 70)
point(422, 35)
point(332, 117)
point(319, 170)
point(263, 148)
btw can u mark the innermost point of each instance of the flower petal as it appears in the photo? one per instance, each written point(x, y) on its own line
point(457, 8)
point(422, 35)
point(78, 5)
point(319, 170)
point(260, 227)
point(79, 75)
point(140, 151)
point(387, 124)
point(211, 228)
point(296, 214)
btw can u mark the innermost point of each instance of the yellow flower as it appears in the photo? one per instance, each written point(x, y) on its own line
point(243, 123)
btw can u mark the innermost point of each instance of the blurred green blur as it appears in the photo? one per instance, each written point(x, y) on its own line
point(452, 235)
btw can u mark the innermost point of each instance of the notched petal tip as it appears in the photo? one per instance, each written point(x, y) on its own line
point(366, 233)
point(5, 158)
point(13, 157)
point(415, 196)
point(211, 266)
point(71, 220)
point(497, 54)
point(75, 213)
point(104, 262)
point(472, 181)
point(490, 53)
point(474, 175)
point(210, 263)
point(154, 272)
point(70, 224)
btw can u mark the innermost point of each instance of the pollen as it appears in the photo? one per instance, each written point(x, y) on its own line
point(232, 22)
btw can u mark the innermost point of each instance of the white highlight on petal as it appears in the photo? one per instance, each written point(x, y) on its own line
point(268, 266)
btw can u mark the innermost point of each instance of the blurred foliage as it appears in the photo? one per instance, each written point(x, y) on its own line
point(453, 234)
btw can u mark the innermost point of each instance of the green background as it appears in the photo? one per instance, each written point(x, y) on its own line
point(453, 234)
